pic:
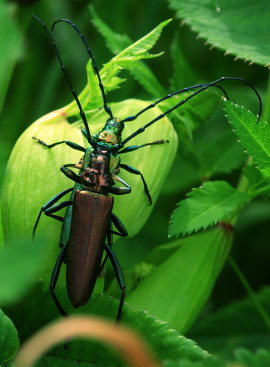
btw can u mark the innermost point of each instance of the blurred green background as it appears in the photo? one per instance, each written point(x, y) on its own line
point(32, 85)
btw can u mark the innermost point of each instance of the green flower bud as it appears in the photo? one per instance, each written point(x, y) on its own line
point(177, 290)
point(33, 174)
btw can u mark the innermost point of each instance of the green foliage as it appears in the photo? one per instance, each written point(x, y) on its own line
point(165, 342)
point(9, 341)
point(165, 283)
point(241, 357)
point(183, 282)
point(205, 206)
point(117, 42)
point(234, 29)
point(255, 137)
point(241, 322)
point(20, 261)
point(11, 47)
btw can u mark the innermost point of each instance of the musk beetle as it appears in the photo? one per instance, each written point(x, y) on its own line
point(89, 223)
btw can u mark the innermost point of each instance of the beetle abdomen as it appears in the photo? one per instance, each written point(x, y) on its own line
point(90, 224)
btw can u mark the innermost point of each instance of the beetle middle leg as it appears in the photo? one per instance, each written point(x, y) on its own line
point(131, 148)
point(137, 172)
point(50, 205)
point(121, 232)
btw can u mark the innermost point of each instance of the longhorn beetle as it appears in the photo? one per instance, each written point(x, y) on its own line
point(87, 228)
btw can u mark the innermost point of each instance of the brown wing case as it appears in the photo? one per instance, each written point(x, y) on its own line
point(91, 216)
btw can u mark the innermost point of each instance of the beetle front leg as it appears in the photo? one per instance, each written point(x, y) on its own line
point(69, 143)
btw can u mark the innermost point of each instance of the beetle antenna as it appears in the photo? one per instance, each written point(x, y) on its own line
point(95, 67)
point(152, 105)
point(63, 68)
point(206, 86)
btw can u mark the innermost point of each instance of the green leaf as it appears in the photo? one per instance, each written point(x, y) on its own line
point(165, 342)
point(241, 358)
point(129, 59)
point(9, 341)
point(240, 317)
point(11, 47)
point(258, 359)
point(20, 261)
point(240, 322)
point(205, 206)
point(177, 290)
point(183, 74)
point(230, 26)
point(144, 75)
point(115, 42)
point(255, 137)
point(1, 229)
point(219, 154)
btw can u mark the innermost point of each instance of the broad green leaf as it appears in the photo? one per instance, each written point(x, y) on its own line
point(20, 261)
point(177, 290)
point(205, 206)
point(240, 29)
point(11, 47)
point(22, 200)
point(9, 341)
point(255, 137)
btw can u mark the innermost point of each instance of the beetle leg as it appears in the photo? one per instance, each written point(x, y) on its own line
point(73, 165)
point(70, 174)
point(54, 279)
point(69, 143)
point(121, 232)
point(119, 226)
point(120, 279)
point(135, 147)
point(56, 208)
point(120, 190)
point(49, 205)
point(137, 172)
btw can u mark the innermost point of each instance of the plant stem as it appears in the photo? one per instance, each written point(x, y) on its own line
point(261, 310)
point(260, 191)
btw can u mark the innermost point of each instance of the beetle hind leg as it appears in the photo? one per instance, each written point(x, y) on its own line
point(120, 279)
point(54, 279)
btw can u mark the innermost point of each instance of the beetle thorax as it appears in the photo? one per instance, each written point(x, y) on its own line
point(97, 176)
point(111, 133)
